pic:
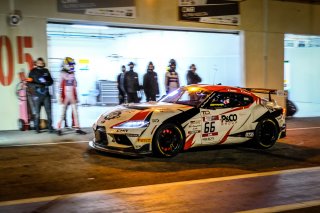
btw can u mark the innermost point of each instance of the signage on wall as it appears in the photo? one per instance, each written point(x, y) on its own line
point(83, 64)
point(210, 11)
point(113, 8)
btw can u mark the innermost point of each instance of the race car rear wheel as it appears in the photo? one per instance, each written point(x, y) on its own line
point(168, 140)
point(266, 134)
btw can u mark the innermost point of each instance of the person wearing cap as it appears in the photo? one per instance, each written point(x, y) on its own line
point(192, 76)
point(172, 77)
point(39, 80)
point(120, 81)
point(131, 84)
point(150, 83)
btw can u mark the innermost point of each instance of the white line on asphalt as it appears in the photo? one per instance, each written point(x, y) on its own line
point(209, 180)
point(43, 144)
point(288, 207)
point(304, 128)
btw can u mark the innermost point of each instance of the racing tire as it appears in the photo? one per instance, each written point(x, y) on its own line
point(168, 140)
point(21, 125)
point(266, 134)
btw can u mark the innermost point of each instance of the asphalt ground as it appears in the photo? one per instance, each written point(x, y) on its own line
point(38, 165)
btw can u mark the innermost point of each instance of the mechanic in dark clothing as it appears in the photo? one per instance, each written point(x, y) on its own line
point(131, 84)
point(192, 76)
point(121, 89)
point(150, 83)
point(39, 81)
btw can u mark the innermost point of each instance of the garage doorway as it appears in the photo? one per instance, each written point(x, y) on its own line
point(100, 51)
point(302, 73)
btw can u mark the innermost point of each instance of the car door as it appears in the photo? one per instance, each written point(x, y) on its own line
point(223, 115)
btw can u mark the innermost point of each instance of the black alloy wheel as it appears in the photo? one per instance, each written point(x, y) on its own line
point(168, 140)
point(266, 134)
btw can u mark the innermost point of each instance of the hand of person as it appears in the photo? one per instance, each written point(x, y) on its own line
point(29, 80)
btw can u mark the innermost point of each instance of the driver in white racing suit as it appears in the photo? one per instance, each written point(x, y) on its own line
point(68, 94)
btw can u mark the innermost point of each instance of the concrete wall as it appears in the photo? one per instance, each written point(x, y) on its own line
point(263, 23)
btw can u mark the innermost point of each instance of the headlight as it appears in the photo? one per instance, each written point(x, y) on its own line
point(132, 124)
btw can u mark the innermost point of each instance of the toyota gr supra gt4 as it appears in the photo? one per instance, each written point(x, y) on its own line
point(191, 116)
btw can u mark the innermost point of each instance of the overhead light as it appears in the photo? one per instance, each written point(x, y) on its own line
point(96, 27)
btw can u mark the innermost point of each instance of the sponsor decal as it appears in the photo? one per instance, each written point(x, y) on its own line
point(217, 105)
point(195, 122)
point(210, 118)
point(229, 119)
point(194, 131)
point(113, 115)
point(121, 130)
point(155, 120)
point(209, 134)
point(208, 139)
point(205, 113)
point(249, 134)
point(144, 140)
point(132, 135)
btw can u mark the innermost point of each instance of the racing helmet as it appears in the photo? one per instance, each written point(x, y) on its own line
point(172, 62)
point(68, 64)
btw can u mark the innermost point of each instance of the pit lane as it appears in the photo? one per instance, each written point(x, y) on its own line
point(43, 165)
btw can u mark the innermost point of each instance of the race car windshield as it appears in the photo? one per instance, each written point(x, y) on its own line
point(192, 96)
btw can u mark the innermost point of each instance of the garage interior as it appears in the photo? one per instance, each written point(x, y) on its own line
point(100, 51)
point(302, 73)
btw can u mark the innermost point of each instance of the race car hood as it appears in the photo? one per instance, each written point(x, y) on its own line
point(138, 112)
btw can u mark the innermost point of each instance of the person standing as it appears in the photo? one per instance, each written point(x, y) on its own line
point(150, 83)
point(120, 81)
point(39, 81)
point(192, 76)
point(172, 77)
point(68, 94)
point(131, 84)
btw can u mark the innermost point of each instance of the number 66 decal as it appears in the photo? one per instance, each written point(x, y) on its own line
point(209, 127)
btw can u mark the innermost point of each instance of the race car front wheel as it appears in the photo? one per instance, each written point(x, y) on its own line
point(266, 134)
point(168, 140)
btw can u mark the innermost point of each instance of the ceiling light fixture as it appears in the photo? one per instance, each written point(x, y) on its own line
point(96, 27)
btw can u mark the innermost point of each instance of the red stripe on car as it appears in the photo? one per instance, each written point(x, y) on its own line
point(226, 136)
point(140, 115)
point(189, 143)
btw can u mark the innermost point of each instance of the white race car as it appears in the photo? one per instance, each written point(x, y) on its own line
point(191, 116)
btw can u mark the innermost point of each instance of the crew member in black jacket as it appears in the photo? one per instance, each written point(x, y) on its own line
point(131, 84)
point(120, 81)
point(39, 82)
point(150, 83)
point(192, 76)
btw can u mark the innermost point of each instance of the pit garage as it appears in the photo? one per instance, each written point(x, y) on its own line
point(302, 73)
point(100, 51)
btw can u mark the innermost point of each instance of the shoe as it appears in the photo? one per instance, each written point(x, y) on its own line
point(59, 132)
point(79, 131)
point(51, 130)
point(37, 130)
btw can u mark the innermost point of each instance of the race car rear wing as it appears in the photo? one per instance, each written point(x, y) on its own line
point(267, 91)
